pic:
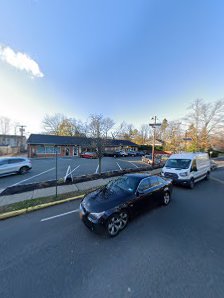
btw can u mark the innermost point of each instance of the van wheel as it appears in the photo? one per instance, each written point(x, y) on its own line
point(191, 184)
point(207, 176)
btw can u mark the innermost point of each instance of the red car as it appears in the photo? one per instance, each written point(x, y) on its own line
point(88, 155)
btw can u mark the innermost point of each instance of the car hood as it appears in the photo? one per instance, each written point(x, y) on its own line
point(103, 199)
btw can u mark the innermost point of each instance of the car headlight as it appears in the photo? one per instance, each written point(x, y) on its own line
point(95, 215)
point(184, 174)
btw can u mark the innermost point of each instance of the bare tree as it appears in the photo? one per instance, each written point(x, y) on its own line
point(108, 124)
point(59, 124)
point(97, 132)
point(51, 124)
point(207, 119)
point(5, 125)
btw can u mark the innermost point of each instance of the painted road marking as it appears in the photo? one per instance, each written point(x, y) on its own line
point(97, 169)
point(119, 166)
point(133, 164)
point(33, 177)
point(59, 215)
point(75, 169)
point(217, 180)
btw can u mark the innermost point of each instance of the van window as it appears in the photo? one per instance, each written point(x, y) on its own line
point(178, 163)
point(194, 165)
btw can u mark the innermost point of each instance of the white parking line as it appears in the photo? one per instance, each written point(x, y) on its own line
point(133, 164)
point(217, 180)
point(75, 169)
point(33, 177)
point(59, 215)
point(119, 166)
point(97, 169)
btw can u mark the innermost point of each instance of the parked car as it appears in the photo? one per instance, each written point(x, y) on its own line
point(140, 153)
point(187, 168)
point(147, 158)
point(109, 153)
point(132, 153)
point(90, 155)
point(14, 165)
point(120, 153)
point(111, 207)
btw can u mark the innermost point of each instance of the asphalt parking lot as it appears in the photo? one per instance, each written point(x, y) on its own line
point(45, 169)
point(173, 251)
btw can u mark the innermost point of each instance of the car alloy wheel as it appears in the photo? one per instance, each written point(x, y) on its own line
point(166, 198)
point(123, 219)
point(23, 170)
point(113, 226)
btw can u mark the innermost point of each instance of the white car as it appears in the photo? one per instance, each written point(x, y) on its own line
point(14, 165)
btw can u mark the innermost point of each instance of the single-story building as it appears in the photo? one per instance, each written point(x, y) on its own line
point(40, 145)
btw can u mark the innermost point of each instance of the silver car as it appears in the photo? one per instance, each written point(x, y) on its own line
point(14, 165)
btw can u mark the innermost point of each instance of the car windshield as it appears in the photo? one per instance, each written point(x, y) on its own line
point(125, 183)
point(178, 163)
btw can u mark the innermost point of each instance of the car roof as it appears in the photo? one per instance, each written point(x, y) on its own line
point(187, 155)
point(13, 157)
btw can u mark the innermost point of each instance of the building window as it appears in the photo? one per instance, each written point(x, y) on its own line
point(52, 150)
point(41, 149)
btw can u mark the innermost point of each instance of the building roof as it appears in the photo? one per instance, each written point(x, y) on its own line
point(39, 139)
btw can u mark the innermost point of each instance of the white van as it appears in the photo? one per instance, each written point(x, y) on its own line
point(187, 168)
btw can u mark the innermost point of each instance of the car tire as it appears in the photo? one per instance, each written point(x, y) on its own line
point(166, 198)
point(123, 219)
point(191, 184)
point(23, 170)
point(116, 222)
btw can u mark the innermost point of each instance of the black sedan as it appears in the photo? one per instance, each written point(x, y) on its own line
point(111, 207)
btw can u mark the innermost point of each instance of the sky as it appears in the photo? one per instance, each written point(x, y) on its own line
point(125, 59)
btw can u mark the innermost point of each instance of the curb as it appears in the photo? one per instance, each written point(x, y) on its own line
point(34, 208)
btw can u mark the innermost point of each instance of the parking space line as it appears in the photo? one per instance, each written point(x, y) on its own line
point(97, 169)
point(33, 177)
point(217, 180)
point(133, 164)
point(59, 215)
point(119, 166)
point(75, 169)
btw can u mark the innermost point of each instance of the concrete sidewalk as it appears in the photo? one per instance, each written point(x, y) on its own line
point(50, 191)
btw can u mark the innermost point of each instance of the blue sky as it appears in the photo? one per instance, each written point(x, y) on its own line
point(128, 60)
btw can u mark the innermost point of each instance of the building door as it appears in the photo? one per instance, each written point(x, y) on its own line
point(67, 151)
point(75, 150)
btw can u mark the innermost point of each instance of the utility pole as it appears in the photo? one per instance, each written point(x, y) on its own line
point(22, 130)
point(153, 125)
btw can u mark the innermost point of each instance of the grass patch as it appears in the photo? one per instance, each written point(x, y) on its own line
point(39, 201)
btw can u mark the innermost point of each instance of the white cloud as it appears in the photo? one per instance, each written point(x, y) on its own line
point(20, 61)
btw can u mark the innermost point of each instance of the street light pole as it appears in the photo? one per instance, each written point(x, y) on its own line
point(153, 125)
